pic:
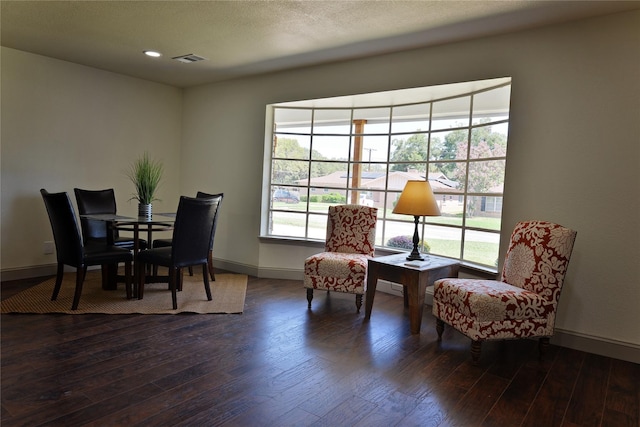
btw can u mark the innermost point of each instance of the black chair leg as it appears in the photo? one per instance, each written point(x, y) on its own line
point(475, 351)
point(127, 279)
point(309, 296)
point(173, 278)
point(358, 302)
point(439, 328)
point(543, 345)
point(56, 288)
point(210, 265)
point(205, 276)
point(141, 278)
point(80, 273)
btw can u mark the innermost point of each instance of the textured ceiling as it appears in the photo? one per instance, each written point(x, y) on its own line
point(240, 38)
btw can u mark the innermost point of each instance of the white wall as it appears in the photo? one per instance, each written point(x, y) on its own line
point(574, 150)
point(66, 126)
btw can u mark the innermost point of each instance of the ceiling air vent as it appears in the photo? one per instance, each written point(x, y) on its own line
point(188, 59)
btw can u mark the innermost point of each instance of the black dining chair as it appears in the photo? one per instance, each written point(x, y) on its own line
point(163, 243)
point(70, 249)
point(92, 202)
point(189, 247)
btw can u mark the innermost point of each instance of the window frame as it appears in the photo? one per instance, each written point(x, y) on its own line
point(352, 190)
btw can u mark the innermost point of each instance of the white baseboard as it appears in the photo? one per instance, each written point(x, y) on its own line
point(597, 345)
point(33, 272)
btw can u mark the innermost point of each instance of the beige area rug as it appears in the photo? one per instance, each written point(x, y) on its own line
point(228, 292)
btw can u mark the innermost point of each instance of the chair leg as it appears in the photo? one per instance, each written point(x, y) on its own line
point(210, 266)
point(475, 351)
point(173, 278)
point(190, 271)
point(205, 276)
point(127, 279)
point(439, 328)
point(80, 273)
point(141, 278)
point(543, 345)
point(180, 277)
point(358, 302)
point(56, 288)
point(309, 296)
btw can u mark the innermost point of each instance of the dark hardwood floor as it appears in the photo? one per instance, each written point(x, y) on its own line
point(278, 364)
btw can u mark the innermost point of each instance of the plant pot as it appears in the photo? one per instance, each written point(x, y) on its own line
point(144, 210)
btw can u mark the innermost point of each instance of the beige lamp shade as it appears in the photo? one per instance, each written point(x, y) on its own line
point(417, 199)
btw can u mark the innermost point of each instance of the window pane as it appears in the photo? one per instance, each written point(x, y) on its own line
point(321, 198)
point(332, 122)
point(411, 118)
point(484, 212)
point(288, 224)
point(317, 227)
point(486, 176)
point(291, 146)
point(292, 120)
point(400, 234)
point(289, 171)
point(410, 152)
point(485, 143)
point(451, 210)
point(329, 174)
point(449, 145)
point(371, 120)
point(374, 199)
point(330, 147)
point(491, 105)
point(481, 247)
point(444, 241)
point(286, 198)
point(451, 177)
point(452, 113)
point(374, 148)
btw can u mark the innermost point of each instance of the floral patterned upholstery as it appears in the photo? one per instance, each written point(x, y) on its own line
point(350, 242)
point(523, 303)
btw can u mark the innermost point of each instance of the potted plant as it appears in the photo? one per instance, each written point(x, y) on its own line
point(145, 173)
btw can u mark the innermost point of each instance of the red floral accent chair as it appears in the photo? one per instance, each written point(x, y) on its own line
point(350, 242)
point(523, 303)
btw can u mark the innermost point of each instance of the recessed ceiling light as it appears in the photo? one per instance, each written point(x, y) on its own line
point(152, 53)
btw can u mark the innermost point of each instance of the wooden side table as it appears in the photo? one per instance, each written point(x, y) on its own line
point(414, 280)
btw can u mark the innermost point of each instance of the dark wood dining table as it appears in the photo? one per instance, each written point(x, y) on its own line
point(156, 223)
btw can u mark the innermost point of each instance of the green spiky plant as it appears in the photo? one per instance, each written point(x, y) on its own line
point(145, 173)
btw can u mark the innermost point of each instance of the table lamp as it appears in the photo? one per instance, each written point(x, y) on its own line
point(417, 199)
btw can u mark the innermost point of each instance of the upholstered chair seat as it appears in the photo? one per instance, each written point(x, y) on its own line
point(523, 302)
point(350, 242)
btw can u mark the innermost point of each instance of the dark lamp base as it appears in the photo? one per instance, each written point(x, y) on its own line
point(415, 257)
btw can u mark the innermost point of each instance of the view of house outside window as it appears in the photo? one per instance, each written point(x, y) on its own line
point(322, 156)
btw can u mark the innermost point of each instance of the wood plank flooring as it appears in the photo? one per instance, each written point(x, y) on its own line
point(278, 364)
